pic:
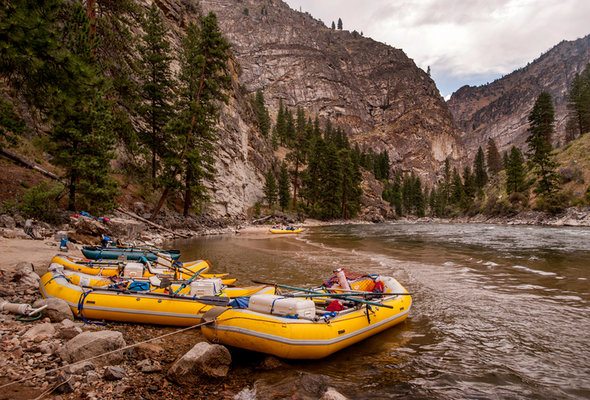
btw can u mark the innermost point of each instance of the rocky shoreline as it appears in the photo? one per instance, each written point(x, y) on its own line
point(63, 358)
point(574, 217)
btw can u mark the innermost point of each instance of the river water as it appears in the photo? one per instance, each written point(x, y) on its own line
point(499, 311)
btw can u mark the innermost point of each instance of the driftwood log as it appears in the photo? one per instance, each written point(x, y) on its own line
point(29, 164)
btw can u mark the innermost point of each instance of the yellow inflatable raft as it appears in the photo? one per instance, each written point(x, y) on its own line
point(315, 334)
point(150, 307)
point(113, 268)
point(285, 231)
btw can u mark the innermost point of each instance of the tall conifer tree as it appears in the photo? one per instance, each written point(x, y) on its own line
point(541, 121)
point(284, 193)
point(479, 169)
point(493, 157)
point(204, 80)
point(156, 89)
point(515, 171)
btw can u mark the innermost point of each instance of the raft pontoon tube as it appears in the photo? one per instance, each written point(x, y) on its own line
point(305, 332)
point(152, 306)
point(131, 253)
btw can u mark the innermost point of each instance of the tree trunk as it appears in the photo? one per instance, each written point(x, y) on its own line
point(187, 192)
point(295, 184)
point(91, 14)
point(154, 167)
point(160, 202)
point(72, 195)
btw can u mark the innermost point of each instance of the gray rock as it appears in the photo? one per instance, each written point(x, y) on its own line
point(148, 350)
point(333, 394)
point(92, 376)
point(81, 368)
point(57, 310)
point(39, 333)
point(25, 277)
point(68, 329)
point(270, 363)
point(6, 221)
point(203, 361)
point(303, 385)
point(90, 344)
point(149, 366)
point(114, 373)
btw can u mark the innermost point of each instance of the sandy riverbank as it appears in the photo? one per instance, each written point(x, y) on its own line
point(37, 252)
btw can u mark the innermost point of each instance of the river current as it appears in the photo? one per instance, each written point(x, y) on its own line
point(498, 312)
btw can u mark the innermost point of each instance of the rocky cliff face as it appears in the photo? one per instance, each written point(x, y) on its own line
point(375, 92)
point(500, 109)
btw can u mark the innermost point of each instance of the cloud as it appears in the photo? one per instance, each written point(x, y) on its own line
point(458, 38)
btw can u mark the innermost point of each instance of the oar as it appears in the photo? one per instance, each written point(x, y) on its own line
point(349, 292)
point(315, 292)
point(210, 300)
point(361, 292)
point(339, 297)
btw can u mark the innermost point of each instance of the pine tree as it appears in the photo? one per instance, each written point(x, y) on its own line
point(290, 130)
point(541, 121)
point(281, 124)
point(339, 23)
point(270, 188)
point(579, 102)
point(333, 25)
point(284, 194)
point(457, 193)
point(479, 169)
point(203, 80)
point(351, 185)
point(493, 157)
point(469, 186)
point(331, 184)
point(515, 171)
point(156, 89)
point(262, 113)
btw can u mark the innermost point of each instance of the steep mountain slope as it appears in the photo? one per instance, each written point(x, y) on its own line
point(372, 90)
point(500, 109)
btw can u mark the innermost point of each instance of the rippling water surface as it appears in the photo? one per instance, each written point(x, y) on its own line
point(499, 311)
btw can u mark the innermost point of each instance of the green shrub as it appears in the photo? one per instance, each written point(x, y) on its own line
point(41, 202)
point(499, 208)
point(553, 204)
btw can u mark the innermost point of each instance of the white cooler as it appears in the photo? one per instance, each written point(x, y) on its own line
point(206, 287)
point(278, 305)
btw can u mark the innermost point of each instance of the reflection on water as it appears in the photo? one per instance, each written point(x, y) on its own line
point(499, 311)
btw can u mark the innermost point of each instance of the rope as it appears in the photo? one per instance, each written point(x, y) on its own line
point(52, 389)
point(81, 308)
point(105, 354)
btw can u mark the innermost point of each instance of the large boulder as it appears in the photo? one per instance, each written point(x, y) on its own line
point(57, 309)
point(87, 231)
point(128, 229)
point(25, 277)
point(202, 362)
point(90, 344)
point(6, 221)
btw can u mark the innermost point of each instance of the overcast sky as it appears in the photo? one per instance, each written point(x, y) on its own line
point(463, 41)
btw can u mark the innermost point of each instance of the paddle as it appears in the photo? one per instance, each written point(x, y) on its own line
point(348, 292)
point(209, 300)
point(340, 297)
point(315, 293)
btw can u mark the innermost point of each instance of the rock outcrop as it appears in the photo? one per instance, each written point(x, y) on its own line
point(499, 110)
point(373, 91)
